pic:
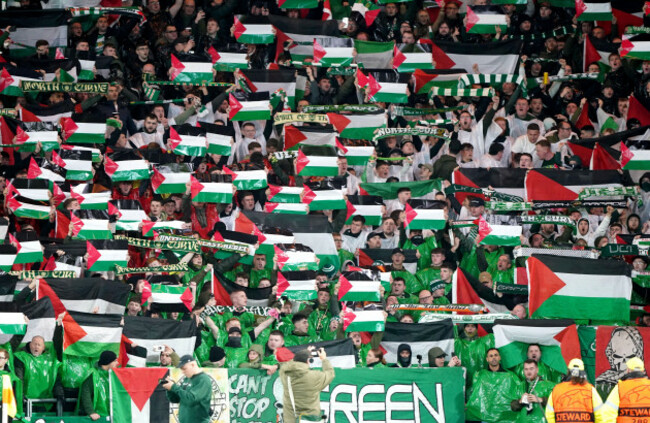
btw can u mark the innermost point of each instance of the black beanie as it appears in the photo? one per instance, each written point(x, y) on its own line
point(107, 357)
point(216, 354)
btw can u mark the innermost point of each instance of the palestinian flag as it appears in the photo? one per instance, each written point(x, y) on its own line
point(247, 179)
point(503, 235)
point(367, 9)
point(316, 165)
point(634, 159)
point(78, 164)
point(381, 257)
point(407, 58)
point(293, 257)
point(90, 228)
point(300, 34)
point(551, 185)
point(10, 84)
point(253, 30)
point(578, 288)
point(84, 295)
point(126, 170)
point(638, 110)
point(94, 151)
point(357, 156)
point(294, 137)
point(186, 144)
point(389, 92)
point(421, 338)
point(426, 79)
point(36, 112)
point(249, 110)
point(137, 396)
point(28, 140)
point(12, 324)
point(333, 52)
point(466, 289)
point(593, 11)
point(297, 4)
point(374, 54)
point(81, 132)
point(341, 353)
point(286, 208)
point(168, 297)
point(148, 332)
point(363, 321)
point(425, 218)
point(88, 335)
point(635, 48)
point(7, 256)
point(27, 251)
point(503, 180)
point(42, 320)
point(129, 214)
point(211, 192)
point(271, 81)
point(297, 286)
point(598, 51)
point(89, 200)
point(281, 194)
point(219, 144)
point(372, 212)
point(86, 73)
point(358, 286)
point(481, 20)
point(65, 67)
point(104, 255)
point(169, 182)
point(324, 199)
point(357, 126)
point(28, 209)
point(501, 57)
point(227, 61)
point(190, 72)
point(148, 227)
point(558, 340)
point(51, 25)
point(628, 13)
point(388, 191)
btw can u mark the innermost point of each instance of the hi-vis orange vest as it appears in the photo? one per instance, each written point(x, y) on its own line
point(572, 403)
point(634, 400)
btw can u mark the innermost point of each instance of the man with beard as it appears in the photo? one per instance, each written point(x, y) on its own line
point(492, 392)
point(532, 403)
point(151, 133)
point(534, 352)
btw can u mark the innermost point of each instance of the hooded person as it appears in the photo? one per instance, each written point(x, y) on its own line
point(235, 353)
point(575, 397)
point(630, 397)
point(94, 398)
point(472, 349)
point(302, 385)
point(585, 232)
point(404, 356)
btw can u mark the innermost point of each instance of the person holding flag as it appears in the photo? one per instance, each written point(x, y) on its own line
point(94, 394)
point(575, 399)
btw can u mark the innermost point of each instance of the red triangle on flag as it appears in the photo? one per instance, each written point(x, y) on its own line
point(140, 383)
point(626, 154)
point(58, 55)
point(72, 332)
point(373, 86)
point(229, 171)
point(638, 110)
point(275, 190)
point(113, 210)
point(341, 146)
point(196, 186)
point(465, 293)
point(147, 226)
point(308, 195)
point(21, 136)
point(591, 55)
point(569, 343)
point(93, 254)
point(214, 55)
point(110, 167)
point(13, 241)
point(174, 139)
point(472, 19)
point(146, 293)
point(362, 79)
point(398, 57)
point(34, 170)
point(542, 188)
point(348, 318)
point(602, 160)
point(319, 52)
point(339, 122)
point(292, 136)
point(239, 28)
point(351, 210)
point(62, 224)
point(235, 106)
point(45, 290)
point(410, 214)
point(344, 287)
point(581, 8)
point(281, 257)
point(77, 224)
point(543, 283)
point(157, 179)
point(50, 264)
point(57, 160)
point(187, 298)
point(269, 207)
point(176, 68)
point(283, 284)
point(583, 119)
point(13, 204)
point(5, 79)
point(58, 196)
point(443, 61)
point(220, 294)
point(301, 161)
point(484, 228)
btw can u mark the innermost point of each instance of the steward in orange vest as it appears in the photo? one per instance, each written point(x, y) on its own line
point(629, 401)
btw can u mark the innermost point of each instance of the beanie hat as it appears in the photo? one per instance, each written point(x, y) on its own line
point(106, 357)
point(283, 354)
point(216, 354)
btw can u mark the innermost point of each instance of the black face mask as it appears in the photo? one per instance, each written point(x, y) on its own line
point(645, 186)
point(234, 342)
point(417, 240)
point(404, 362)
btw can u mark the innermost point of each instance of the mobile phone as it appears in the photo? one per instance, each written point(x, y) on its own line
point(346, 22)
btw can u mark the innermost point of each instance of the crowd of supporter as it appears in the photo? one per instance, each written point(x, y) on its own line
point(541, 127)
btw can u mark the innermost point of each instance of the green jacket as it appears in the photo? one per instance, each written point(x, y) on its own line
point(306, 385)
point(194, 395)
point(542, 389)
point(491, 396)
point(40, 374)
point(94, 393)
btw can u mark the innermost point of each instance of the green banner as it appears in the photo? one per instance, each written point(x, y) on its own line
point(181, 245)
point(355, 108)
point(611, 250)
point(67, 87)
point(221, 245)
point(587, 336)
point(282, 118)
point(33, 274)
point(415, 111)
point(356, 395)
point(394, 132)
point(180, 267)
